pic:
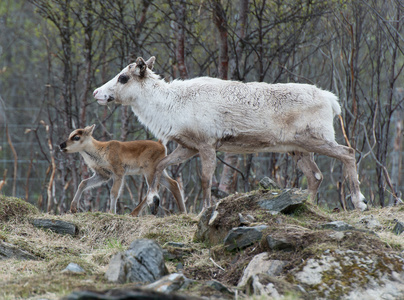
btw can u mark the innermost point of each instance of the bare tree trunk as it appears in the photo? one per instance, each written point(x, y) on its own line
point(220, 20)
point(396, 156)
point(179, 30)
point(236, 62)
point(15, 161)
point(88, 32)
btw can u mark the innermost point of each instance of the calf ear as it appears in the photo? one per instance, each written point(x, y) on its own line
point(89, 129)
point(141, 64)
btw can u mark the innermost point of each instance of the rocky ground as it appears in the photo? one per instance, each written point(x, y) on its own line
point(267, 243)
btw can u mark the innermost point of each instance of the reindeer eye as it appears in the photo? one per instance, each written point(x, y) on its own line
point(76, 138)
point(123, 78)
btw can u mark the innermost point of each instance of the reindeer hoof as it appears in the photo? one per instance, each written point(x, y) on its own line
point(155, 205)
point(362, 205)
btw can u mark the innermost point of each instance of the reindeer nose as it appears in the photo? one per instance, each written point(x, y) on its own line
point(95, 93)
point(62, 145)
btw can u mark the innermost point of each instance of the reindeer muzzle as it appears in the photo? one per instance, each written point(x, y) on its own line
point(63, 146)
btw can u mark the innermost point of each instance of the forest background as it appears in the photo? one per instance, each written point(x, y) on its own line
point(53, 53)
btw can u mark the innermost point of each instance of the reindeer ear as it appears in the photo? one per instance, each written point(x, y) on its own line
point(89, 129)
point(141, 64)
point(150, 62)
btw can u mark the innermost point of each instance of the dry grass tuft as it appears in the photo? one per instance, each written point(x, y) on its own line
point(15, 208)
point(100, 236)
point(386, 216)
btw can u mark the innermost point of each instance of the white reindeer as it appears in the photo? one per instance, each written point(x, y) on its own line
point(204, 115)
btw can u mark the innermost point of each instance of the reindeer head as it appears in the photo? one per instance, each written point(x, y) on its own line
point(77, 140)
point(122, 88)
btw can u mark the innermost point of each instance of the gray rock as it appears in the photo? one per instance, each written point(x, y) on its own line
point(211, 228)
point(376, 275)
point(370, 223)
point(74, 268)
point(168, 255)
point(179, 267)
point(337, 225)
point(57, 226)
point(202, 233)
point(142, 262)
point(398, 228)
point(264, 285)
point(268, 184)
point(169, 283)
point(261, 264)
point(174, 244)
point(337, 235)
point(243, 221)
point(261, 289)
point(287, 202)
point(242, 237)
point(213, 217)
point(12, 251)
point(219, 287)
point(116, 269)
point(279, 244)
point(133, 293)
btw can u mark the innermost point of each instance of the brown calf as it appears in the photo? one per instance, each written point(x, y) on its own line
point(113, 160)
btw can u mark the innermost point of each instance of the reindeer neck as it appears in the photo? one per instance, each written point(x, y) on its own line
point(155, 109)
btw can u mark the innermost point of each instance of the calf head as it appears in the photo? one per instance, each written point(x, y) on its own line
point(77, 140)
point(127, 84)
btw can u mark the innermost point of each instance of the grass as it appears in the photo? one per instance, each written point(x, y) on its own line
point(102, 235)
point(15, 208)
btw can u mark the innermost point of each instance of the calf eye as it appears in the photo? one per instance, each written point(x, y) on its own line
point(76, 138)
point(123, 78)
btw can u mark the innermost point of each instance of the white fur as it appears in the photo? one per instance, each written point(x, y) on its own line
point(215, 110)
point(206, 115)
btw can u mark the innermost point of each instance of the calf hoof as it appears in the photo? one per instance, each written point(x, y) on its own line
point(155, 205)
point(73, 209)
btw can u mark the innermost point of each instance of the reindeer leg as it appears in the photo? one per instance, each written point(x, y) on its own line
point(347, 156)
point(179, 155)
point(86, 184)
point(174, 188)
point(305, 162)
point(208, 161)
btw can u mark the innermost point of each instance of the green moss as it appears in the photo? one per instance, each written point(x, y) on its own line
point(352, 270)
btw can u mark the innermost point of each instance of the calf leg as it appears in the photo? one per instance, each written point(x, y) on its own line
point(174, 188)
point(86, 184)
point(138, 209)
point(305, 162)
point(179, 155)
point(115, 192)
